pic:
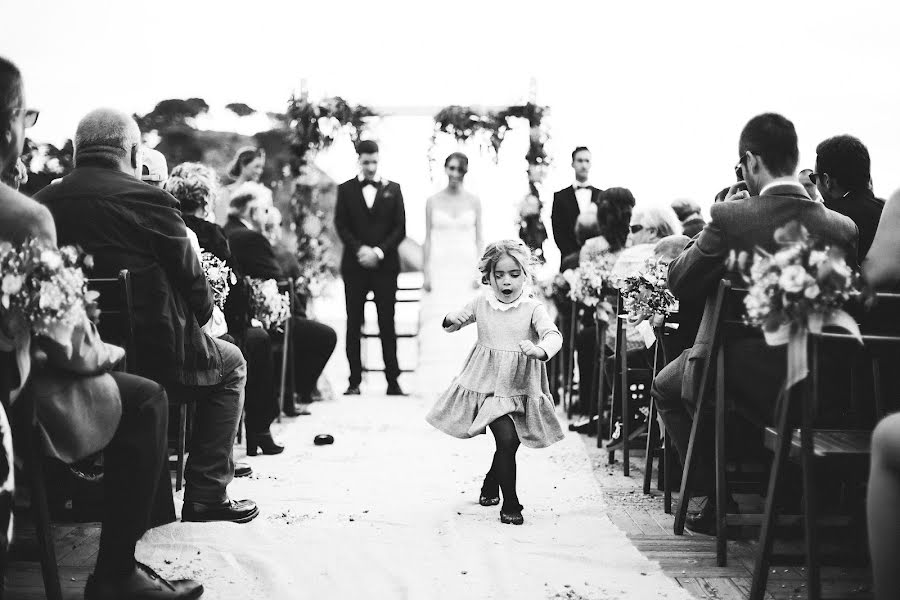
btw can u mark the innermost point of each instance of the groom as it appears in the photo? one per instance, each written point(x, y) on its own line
point(371, 222)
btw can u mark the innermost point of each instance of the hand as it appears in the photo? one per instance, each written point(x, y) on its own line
point(367, 257)
point(737, 191)
point(530, 350)
point(459, 317)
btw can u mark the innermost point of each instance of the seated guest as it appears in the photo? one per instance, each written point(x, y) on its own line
point(613, 216)
point(195, 186)
point(313, 342)
point(122, 414)
point(883, 508)
point(648, 226)
point(688, 212)
point(842, 177)
point(881, 268)
point(246, 167)
point(767, 157)
point(126, 224)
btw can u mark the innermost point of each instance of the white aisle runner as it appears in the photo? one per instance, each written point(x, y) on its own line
point(390, 511)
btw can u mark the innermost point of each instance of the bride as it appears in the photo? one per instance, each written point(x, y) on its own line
point(453, 241)
point(453, 246)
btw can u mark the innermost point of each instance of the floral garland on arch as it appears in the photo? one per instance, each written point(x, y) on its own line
point(314, 126)
point(315, 245)
point(489, 128)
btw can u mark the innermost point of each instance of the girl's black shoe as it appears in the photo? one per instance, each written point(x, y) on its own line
point(490, 492)
point(512, 516)
point(263, 441)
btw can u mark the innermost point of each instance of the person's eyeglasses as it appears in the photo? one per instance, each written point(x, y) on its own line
point(31, 115)
point(636, 228)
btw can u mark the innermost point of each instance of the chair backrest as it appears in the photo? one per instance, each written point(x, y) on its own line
point(116, 304)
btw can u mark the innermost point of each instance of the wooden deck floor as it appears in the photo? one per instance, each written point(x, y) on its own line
point(691, 559)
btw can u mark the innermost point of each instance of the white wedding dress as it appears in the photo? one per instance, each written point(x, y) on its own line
point(454, 273)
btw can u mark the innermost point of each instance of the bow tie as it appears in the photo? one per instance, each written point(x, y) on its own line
point(582, 186)
point(371, 182)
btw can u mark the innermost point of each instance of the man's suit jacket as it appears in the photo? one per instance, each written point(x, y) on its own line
point(744, 225)
point(127, 224)
point(383, 226)
point(252, 252)
point(865, 209)
point(563, 215)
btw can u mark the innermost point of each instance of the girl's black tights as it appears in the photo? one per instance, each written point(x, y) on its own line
point(503, 467)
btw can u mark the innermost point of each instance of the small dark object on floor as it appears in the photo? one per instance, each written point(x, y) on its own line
point(323, 439)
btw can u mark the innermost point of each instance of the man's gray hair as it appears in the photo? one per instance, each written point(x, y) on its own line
point(662, 218)
point(105, 135)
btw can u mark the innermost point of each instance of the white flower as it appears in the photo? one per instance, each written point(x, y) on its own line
point(817, 257)
point(812, 292)
point(793, 278)
point(51, 258)
point(12, 284)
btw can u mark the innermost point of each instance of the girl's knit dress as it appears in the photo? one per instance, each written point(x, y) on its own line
point(498, 379)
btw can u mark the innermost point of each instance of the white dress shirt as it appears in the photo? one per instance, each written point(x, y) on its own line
point(370, 191)
point(583, 195)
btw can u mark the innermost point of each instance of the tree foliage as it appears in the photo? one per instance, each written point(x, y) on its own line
point(240, 109)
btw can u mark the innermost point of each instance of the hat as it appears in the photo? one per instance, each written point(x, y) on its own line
point(155, 168)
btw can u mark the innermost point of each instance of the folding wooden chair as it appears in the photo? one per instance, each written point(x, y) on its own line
point(809, 445)
point(285, 353)
point(408, 293)
point(662, 452)
point(116, 322)
point(569, 368)
point(631, 385)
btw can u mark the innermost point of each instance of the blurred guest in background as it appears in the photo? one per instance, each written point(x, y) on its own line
point(843, 178)
point(155, 170)
point(808, 184)
point(688, 212)
point(247, 165)
point(648, 225)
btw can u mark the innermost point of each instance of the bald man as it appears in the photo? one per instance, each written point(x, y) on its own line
point(104, 207)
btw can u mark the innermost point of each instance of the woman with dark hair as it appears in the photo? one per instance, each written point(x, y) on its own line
point(247, 165)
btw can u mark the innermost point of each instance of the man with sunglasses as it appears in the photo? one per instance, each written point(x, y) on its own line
point(768, 197)
point(843, 178)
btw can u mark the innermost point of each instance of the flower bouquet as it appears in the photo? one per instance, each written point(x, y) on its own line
point(219, 276)
point(43, 290)
point(267, 305)
point(587, 284)
point(800, 288)
point(646, 294)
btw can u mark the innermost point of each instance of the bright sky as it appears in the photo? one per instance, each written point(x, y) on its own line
point(658, 90)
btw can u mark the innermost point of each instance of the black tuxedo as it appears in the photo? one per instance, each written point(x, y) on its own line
point(865, 209)
point(563, 215)
point(383, 226)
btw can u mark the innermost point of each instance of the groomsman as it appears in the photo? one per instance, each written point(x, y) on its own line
point(568, 203)
point(371, 222)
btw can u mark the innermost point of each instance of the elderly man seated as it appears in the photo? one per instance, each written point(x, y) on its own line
point(122, 414)
point(127, 224)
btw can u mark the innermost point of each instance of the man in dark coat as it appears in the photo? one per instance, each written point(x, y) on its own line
point(843, 178)
point(138, 494)
point(371, 221)
point(746, 220)
point(570, 202)
point(313, 342)
point(126, 224)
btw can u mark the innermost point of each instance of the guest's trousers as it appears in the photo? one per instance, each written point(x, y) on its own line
point(314, 344)
point(210, 464)
point(384, 287)
point(137, 487)
point(261, 405)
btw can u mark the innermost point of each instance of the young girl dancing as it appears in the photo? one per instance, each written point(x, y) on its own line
point(503, 384)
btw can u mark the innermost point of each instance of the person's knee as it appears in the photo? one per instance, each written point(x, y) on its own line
point(666, 387)
point(886, 442)
point(329, 339)
point(233, 362)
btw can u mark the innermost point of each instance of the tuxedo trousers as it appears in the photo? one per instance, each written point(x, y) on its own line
point(357, 285)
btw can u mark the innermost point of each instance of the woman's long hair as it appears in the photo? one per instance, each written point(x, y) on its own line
point(614, 216)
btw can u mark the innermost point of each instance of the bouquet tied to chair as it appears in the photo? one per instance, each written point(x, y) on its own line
point(646, 295)
point(801, 288)
point(268, 305)
point(590, 284)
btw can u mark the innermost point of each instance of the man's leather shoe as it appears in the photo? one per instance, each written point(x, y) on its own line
point(705, 520)
point(394, 389)
point(236, 511)
point(352, 390)
point(242, 470)
point(142, 584)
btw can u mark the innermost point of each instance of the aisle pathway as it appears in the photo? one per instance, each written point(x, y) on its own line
point(390, 511)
